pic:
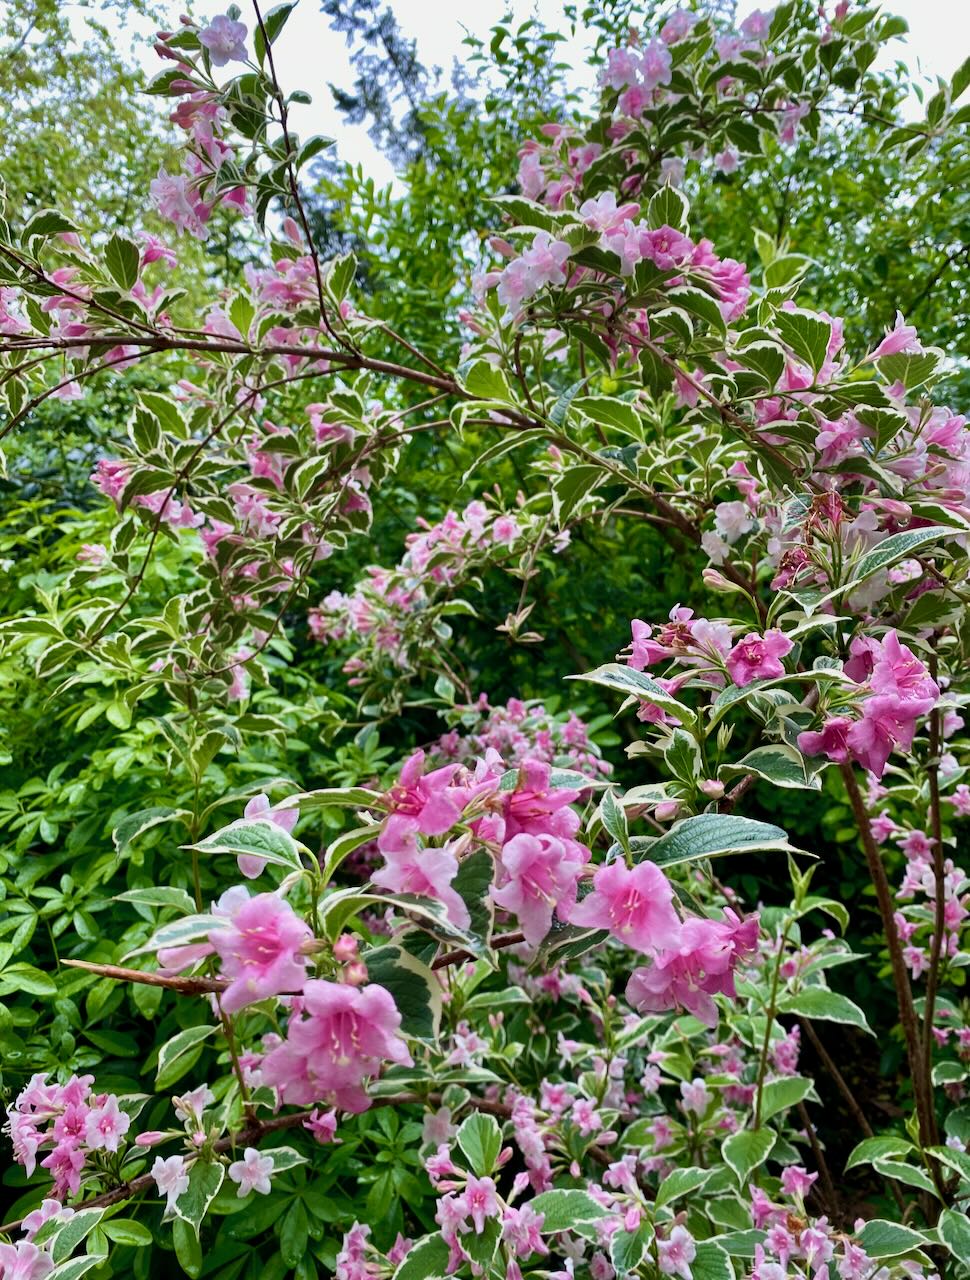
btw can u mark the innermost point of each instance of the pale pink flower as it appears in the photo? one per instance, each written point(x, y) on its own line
point(252, 1173)
point(171, 1177)
point(901, 338)
point(24, 1261)
point(225, 39)
point(634, 903)
point(676, 1253)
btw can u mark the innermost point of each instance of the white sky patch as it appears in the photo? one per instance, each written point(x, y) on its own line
point(310, 56)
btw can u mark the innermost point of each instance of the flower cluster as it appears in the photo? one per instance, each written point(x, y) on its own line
point(69, 1122)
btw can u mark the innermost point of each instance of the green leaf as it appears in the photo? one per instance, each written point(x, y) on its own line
point(179, 1055)
point(779, 1095)
point(745, 1150)
point(679, 1183)
point(779, 764)
point(252, 836)
point(134, 824)
point(273, 23)
point(711, 1262)
point(870, 1149)
point(629, 1248)
point(427, 1259)
point(187, 1247)
point(158, 896)
point(569, 488)
point(128, 1231)
point(73, 1231)
point(911, 370)
point(898, 546)
point(668, 207)
point(699, 304)
point(954, 1229)
point(610, 412)
point(623, 679)
point(485, 382)
point(567, 1210)
point(711, 835)
point(480, 1138)
point(121, 257)
point(905, 1173)
point(333, 797)
point(613, 817)
point(825, 1006)
point(76, 1267)
point(416, 990)
point(476, 873)
point(46, 222)
point(205, 1179)
point(24, 977)
point(883, 1239)
point(806, 334)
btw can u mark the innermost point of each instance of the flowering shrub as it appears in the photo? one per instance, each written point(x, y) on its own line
point(540, 1027)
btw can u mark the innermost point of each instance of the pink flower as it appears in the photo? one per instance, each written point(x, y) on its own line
point(655, 65)
point(900, 338)
point(252, 1173)
point(259, 808)
point(478, 1201)
point(339, 1039)
point(830, 741)
point(428, 804)
point(24, 1261)
point(635, 904)
point(259, 951)
point(676, 1253)
point(105, 1126)
point(542, 873)
point(521, 1228)
point(677, 26)
point(172, 1178)
point(758, 657)
point(701, 965)
point(665, 248)
point(887, 723)
point(796, 1181)
point(427, 873)
point(898, 671)
point(225, 39)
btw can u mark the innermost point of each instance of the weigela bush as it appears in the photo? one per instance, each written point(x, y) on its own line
point(581, 1047)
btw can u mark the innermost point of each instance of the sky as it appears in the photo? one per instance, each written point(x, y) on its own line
point(310, 56)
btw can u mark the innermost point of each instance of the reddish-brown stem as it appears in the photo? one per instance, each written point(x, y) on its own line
point(939, 880)
point(904, 992)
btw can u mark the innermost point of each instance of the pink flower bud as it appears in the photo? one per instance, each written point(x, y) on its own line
point(711, 787)
point(151, 1138)
point(355, 974)
point(345, 948)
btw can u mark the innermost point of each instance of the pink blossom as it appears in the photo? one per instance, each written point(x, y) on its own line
point(427, 873)
point(634, 903)
point(758, 657)
point(428, 804)
point(898, 671)
point(340, 1038)
point(24, 1261)
point(171, 1177)
point(225, 39)
point(521, 1228)
point(665, 248)
point(831, 741)
point(677, 26)
point(478, 1201)
point(178, 202)
point(796, 1181)
point(106, 1125)
point(887, 723)
point(676, 1253)
point(252, 1173)
point(655, 65)
point(901, 338)
point(259, 951)
point(541, 875)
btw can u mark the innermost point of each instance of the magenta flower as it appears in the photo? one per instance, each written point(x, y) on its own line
point(898, 671)
point(676, 1253)
point(901, 338)
point(429, 805)
point(478, 1201)
point(831, 741)
point(888, 722)
point(259, 951)
point(340, 1038)
point(635, 904)
point(427, 873)
point(758, 657)
point(542, 873)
